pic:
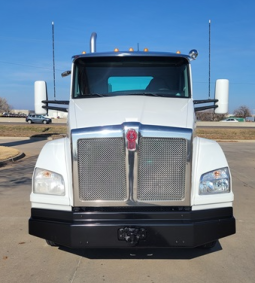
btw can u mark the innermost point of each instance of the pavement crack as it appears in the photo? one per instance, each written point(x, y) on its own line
point(245, 184)
point(73, 277)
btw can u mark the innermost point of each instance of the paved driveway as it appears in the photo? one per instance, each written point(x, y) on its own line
point(24, 258)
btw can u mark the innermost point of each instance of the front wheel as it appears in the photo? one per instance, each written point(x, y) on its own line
point(44, 122)
point(208, 245)
point(51, 243)
point(29, 122)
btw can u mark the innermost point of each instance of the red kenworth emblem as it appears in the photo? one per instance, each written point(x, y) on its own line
point(131, 139)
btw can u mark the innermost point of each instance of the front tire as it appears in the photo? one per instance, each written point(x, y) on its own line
point(208, 245)
point(44, 122)
point(51, 243)
point(29, 122)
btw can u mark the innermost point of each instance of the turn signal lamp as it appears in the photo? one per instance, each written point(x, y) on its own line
point(217, 174)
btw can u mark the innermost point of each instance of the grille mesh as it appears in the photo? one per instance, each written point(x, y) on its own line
point(161, 169)
point(161, 172)
point(102, 172)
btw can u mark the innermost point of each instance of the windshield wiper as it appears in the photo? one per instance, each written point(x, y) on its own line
point(95, 94)
point(158, 94)
point(150, 94)
point(120, 93)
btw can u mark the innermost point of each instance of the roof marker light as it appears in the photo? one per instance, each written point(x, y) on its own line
point(178, 52)
point(131, 49)
point(83, 52)
point(145, 49)
point(116, 49)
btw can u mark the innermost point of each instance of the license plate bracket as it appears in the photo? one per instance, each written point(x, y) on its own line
point(132, 235)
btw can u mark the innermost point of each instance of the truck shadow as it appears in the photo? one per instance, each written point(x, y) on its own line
point(142, 253)
point(12, 176)
point(33, 139)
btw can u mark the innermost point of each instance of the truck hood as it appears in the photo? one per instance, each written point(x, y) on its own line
point(103, 111)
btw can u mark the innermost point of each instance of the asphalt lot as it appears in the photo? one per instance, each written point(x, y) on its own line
point(24, 258)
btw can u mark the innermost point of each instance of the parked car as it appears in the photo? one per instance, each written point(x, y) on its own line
point(6, 114)
point(250, 119)
point(38, 119)
point(230, 120)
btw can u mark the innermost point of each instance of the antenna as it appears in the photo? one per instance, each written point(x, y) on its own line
point(209, 83)
point(53, 55)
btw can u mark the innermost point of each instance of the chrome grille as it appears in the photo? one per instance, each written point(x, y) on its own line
point(107, 174)
point(161, 169)
point(101, 169)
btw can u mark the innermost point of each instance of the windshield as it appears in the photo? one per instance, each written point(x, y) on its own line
point(112, 76)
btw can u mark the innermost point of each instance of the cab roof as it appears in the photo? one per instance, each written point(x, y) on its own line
point(133, 54)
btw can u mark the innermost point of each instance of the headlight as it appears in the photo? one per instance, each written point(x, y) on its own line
point(215, 182)
point(48, 182)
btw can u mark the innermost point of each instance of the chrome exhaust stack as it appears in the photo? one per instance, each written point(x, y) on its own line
point(93, 42)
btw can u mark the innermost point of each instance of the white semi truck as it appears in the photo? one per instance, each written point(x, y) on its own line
point(131, 170)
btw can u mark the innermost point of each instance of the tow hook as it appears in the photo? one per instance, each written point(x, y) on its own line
point(131, 235)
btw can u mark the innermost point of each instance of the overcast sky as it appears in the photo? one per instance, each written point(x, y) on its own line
point(162, 25)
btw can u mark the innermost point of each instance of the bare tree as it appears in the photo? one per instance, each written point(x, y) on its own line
point(4, 106)
point(209, 115)
point(206, 115)
point(219, 117)
point(242, 112)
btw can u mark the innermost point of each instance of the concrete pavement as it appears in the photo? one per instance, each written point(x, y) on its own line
point(24, 258)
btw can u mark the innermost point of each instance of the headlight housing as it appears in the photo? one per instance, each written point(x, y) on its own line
point(48, 182)
point(215, 182)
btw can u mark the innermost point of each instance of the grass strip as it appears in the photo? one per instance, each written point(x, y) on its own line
point(43, 131)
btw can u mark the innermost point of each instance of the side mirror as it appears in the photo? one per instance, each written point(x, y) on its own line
point(221, 93)
point(40, 94)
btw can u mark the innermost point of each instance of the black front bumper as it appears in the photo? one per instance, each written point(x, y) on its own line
point(113, 229)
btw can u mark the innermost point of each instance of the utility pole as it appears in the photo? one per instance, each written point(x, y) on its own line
point(53, 51)
point(209, 86)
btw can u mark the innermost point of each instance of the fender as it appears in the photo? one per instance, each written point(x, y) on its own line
point(55, 156)
point(208, 156)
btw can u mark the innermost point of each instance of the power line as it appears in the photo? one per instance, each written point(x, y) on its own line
point(30, 66)
point(232, 83)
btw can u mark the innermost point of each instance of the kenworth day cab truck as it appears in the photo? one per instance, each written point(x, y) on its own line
point(131, 170)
